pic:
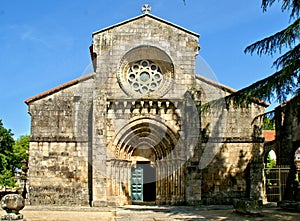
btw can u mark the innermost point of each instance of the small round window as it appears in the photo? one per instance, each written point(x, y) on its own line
point(144, 76)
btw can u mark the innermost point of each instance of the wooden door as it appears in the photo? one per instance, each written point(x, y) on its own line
point(137, 181)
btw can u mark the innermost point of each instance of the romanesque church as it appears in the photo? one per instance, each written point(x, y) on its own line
point(135, 131)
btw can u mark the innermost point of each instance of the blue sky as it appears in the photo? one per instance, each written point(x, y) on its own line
point(44, 43)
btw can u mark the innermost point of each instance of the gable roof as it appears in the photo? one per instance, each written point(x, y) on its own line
point(59, 88)
point(150, 16)
point(227, 89)
point(215, 84)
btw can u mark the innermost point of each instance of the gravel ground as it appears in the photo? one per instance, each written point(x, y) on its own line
point(150, 213)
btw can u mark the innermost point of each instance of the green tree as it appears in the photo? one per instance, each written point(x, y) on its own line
point(285, 81)
point(11, 154)
point(271, 163)
point(6, 155)
point(7, 178)
point(20, 151)
point(268, 124)
point(6, 143)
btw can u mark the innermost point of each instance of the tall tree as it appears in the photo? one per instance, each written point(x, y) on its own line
point(6, 156)
point(268, 124)
point(6, 144)
point(20, 151)
point(285, 81)
point(11, 154)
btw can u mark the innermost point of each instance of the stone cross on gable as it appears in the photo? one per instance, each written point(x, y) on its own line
point(146, 9)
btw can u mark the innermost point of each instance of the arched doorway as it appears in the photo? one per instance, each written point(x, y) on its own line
point(275, 177)
point(152, 149)
point(272, 178)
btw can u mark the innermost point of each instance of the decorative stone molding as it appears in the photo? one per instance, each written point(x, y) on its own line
point(146, 71)
point(144, 76)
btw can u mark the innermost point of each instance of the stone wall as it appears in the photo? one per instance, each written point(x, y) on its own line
point(287, 130)
point(288, 141)
point(58, 173)
point(59, 152)
point(62, 115)
point(230, 154)
point(111, 45)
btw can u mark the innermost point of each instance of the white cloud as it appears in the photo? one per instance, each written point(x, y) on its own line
point(26, 33)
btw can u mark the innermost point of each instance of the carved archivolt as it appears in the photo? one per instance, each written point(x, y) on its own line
point(146, 134)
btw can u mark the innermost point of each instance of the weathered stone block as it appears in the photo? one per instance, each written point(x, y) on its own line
point(247, 206)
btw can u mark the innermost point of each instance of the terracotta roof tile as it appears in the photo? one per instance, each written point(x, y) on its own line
point(269, 135)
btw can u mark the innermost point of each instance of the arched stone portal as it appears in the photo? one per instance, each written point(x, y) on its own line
point(154, 156)
point(146, 133)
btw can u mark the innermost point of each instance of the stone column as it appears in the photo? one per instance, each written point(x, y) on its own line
point(256, 171)
point(163, 182)
point(158, 182)
point(99, 157)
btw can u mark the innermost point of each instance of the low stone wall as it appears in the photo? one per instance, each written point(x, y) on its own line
point(248, 206)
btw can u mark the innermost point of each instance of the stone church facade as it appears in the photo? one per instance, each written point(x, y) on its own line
point(135, 130)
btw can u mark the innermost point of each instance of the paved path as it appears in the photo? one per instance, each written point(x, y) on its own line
point(150, 213)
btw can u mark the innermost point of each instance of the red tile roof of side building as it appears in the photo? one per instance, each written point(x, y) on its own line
point(60, 87)
point(269, 135)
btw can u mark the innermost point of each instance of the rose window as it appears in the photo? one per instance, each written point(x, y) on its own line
point(144, 76)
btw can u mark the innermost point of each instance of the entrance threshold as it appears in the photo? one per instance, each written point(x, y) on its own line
point(151, 203)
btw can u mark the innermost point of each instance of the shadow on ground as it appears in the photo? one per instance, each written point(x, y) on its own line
point(150, 213)
point(215, 212)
